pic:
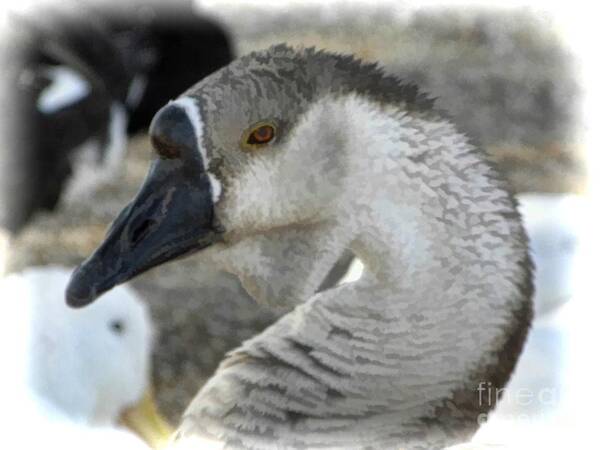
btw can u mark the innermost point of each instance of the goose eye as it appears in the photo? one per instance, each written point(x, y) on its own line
point(117, 326)
point(258, 135)
point(262, 135)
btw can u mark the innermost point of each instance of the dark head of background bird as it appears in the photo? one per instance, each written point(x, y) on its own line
point(136, 57)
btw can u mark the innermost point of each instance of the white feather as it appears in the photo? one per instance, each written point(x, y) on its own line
point(66, 88)
point(189, 106)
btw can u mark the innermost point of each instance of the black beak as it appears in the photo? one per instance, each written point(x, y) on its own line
point(171, 216)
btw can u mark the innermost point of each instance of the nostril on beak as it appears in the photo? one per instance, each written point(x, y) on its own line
point(141, 232)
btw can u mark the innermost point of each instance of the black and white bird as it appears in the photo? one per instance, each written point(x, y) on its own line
point(270, 169)
point(76, 81)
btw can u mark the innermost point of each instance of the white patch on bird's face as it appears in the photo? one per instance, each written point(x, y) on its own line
point(189, 106)
point(90, 172)
point(66, 88)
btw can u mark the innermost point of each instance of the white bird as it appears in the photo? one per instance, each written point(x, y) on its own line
point(274, 166)
point(554, 224)
point(74, 375)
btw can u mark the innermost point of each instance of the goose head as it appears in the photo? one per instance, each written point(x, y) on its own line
point(261, 147)
point(91, 366)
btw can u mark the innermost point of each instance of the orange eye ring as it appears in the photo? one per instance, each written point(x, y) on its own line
point(261, 135)
point(258, 135)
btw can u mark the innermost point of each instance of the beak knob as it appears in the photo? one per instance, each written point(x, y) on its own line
point(172, 132)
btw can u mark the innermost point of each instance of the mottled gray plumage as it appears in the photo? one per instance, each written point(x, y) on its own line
point(507, 76)
point(361, 162)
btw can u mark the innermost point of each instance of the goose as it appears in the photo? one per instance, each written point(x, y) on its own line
point(74, 376)
point(78, 82)
point(270, 168)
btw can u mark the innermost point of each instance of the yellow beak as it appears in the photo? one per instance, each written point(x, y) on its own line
point(144, 420)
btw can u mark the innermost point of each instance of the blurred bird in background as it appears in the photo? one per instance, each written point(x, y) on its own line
point(78, 80)
point(75, 376)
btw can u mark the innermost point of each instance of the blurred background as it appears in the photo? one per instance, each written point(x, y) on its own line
point(513, 77)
